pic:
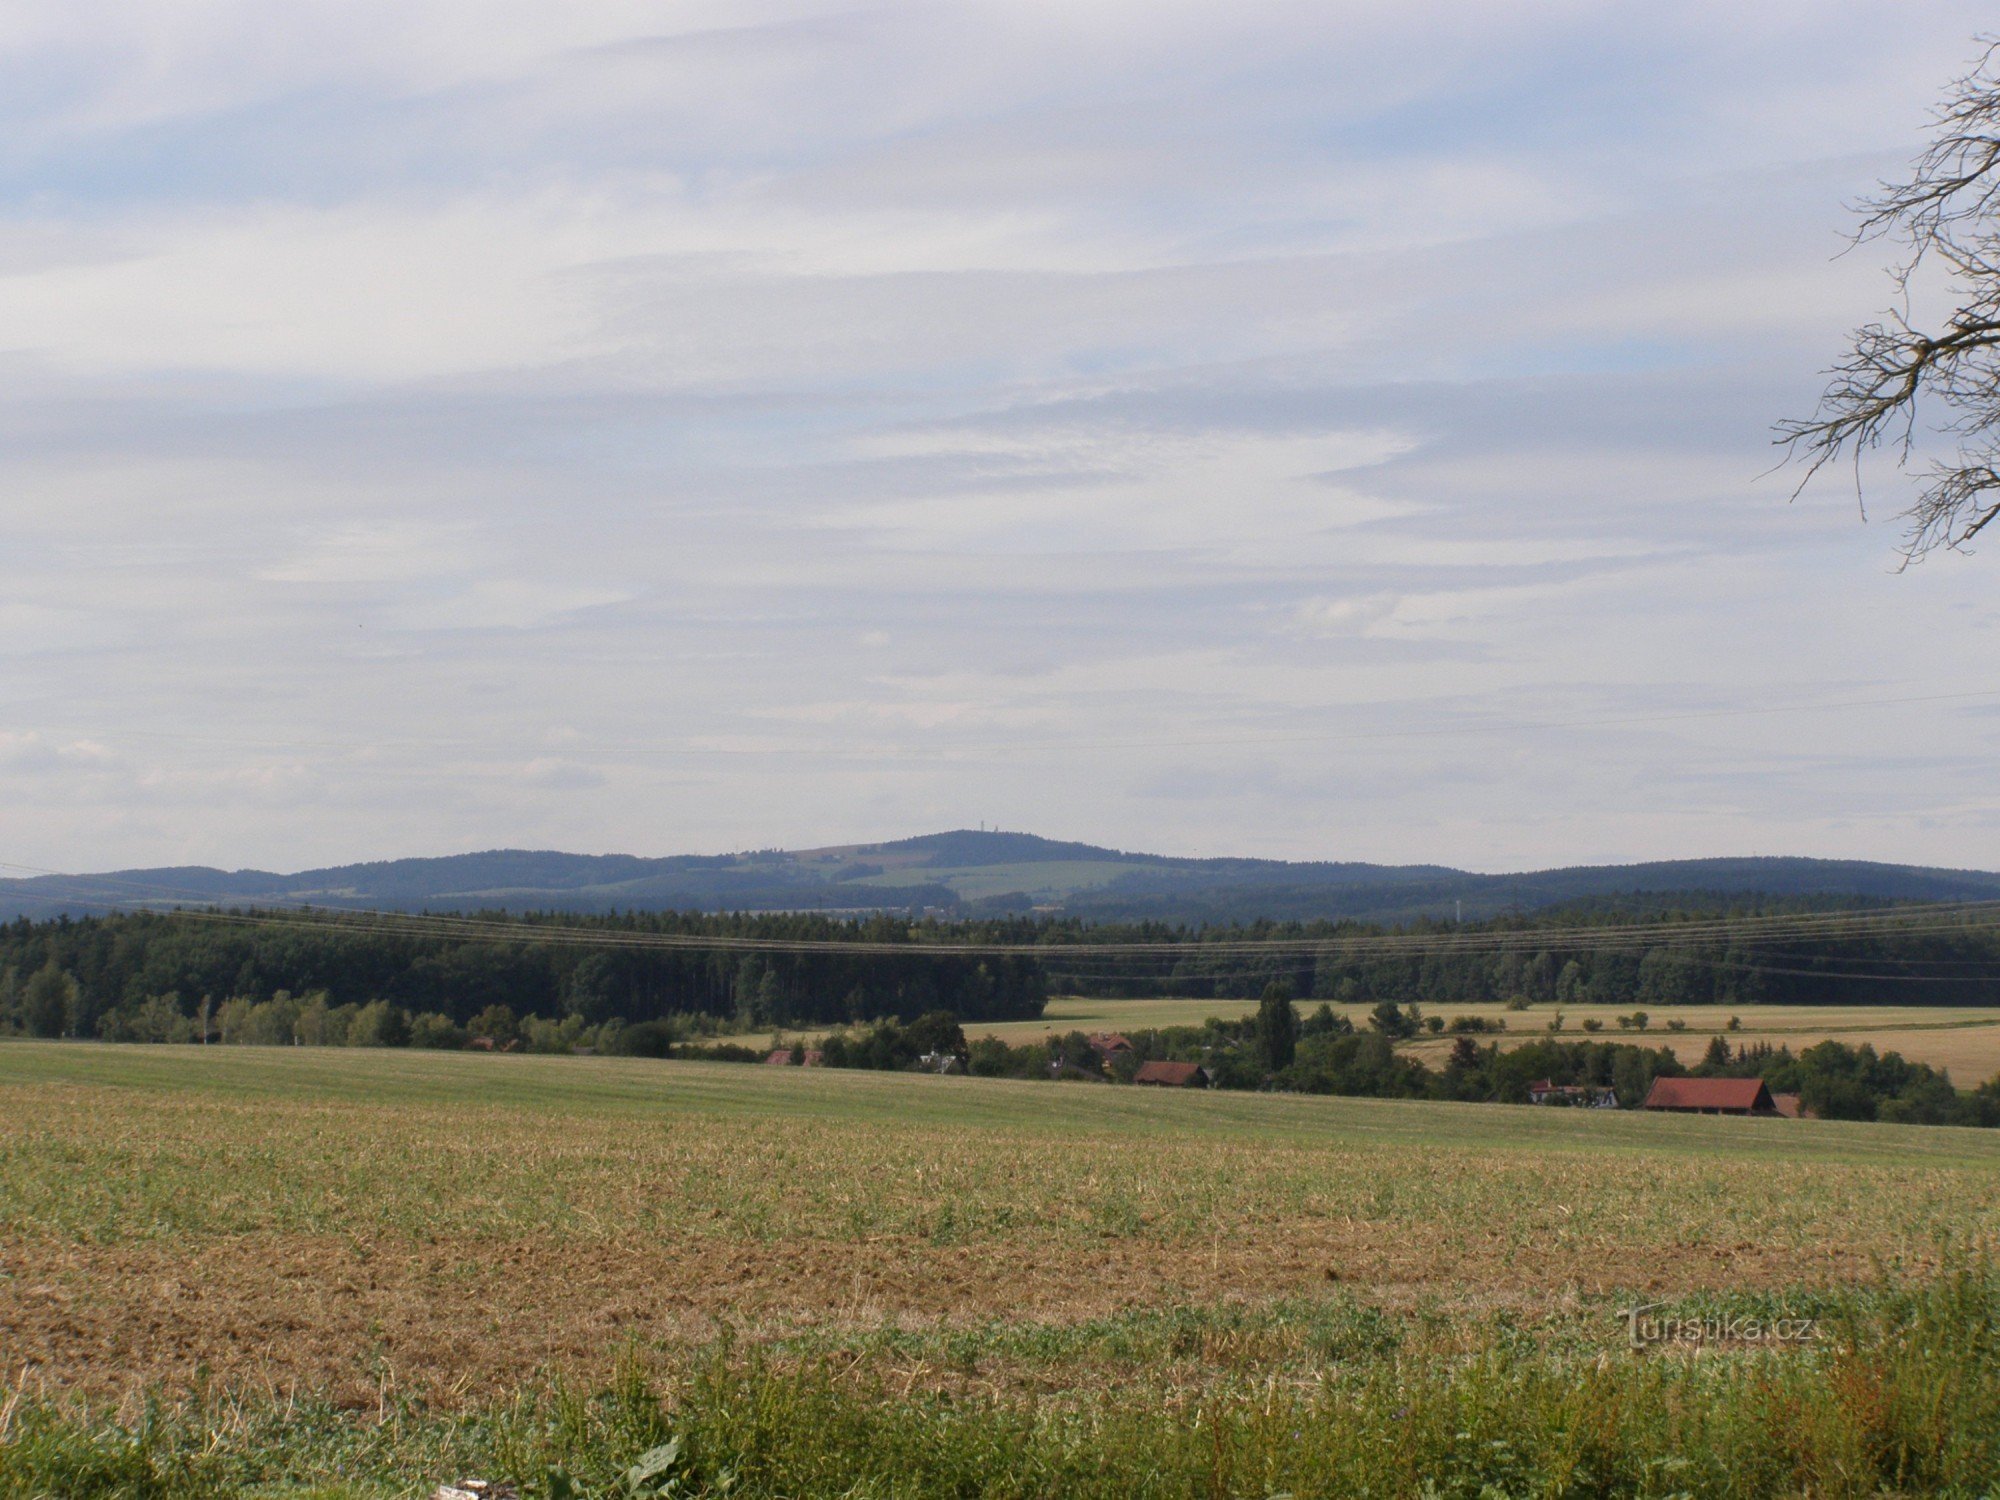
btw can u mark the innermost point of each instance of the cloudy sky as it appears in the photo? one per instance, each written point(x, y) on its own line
point(1328, 429)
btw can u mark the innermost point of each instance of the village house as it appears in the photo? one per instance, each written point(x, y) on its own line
point(1575, 1095)
point(1172, 1075)
point(1711, 1096)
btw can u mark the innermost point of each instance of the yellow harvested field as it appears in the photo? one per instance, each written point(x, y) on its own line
point(1076, 1013)
point(1965, 1040)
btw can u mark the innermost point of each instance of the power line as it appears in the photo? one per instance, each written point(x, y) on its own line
point(1915, 919)
point(1064, 959)
point(1910, 921)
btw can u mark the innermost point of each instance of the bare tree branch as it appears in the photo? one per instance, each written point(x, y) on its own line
point(1898, 383)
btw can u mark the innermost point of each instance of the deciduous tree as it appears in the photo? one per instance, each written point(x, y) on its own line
point(1925, 385)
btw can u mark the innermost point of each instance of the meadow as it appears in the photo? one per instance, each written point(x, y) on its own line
point(422, 1260)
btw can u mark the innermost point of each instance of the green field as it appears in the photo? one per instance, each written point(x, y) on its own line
point(383, 1238)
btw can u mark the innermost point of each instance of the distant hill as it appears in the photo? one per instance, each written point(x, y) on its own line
point(967, 872)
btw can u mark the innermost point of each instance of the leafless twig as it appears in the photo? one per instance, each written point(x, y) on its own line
point(1899, 382)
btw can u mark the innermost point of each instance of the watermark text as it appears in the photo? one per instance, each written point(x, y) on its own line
point(1646, 1326)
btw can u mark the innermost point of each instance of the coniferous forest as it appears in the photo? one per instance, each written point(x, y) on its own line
point(133, 975)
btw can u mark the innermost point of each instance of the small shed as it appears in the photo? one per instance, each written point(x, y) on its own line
point(1788, 1105)
point(1711, 1096)
point(1172, 1075)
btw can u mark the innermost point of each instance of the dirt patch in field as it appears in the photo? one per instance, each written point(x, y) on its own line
point(461, 1320)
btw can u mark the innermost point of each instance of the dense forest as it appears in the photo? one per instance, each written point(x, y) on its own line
point(93, 976)
point(1950, 961)
point(112, 967)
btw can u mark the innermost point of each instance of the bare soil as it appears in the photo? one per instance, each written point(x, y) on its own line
point(449, 1319)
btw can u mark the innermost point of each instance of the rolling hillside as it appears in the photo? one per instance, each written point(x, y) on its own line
point(967, 872)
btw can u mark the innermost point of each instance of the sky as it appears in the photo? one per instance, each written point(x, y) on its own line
point(1316, 431)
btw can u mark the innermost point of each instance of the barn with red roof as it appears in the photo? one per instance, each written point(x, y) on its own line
point(1711, 1096)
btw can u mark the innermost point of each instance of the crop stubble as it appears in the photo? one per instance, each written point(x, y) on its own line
point(455, 1224)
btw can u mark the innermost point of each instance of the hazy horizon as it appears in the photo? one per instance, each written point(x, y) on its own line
point(1279, 432)
point(26, 873)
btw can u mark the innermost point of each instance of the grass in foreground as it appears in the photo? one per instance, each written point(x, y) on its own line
point(1903, 1397)
point(346, 1274)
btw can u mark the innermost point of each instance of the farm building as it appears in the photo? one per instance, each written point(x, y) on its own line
point(1711, 1096)
point(1789, 1106)
point(1577, 1095)
point(1108, 1044)
point(1172, 1075)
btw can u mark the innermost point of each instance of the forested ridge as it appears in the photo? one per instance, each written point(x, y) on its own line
point(969, 874)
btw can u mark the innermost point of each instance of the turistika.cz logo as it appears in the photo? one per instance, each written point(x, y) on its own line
point(1646, 1326)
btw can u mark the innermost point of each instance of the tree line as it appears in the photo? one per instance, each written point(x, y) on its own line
point(1323, 1052)
point(140, 974)
point(153, 976)
point(1959, 965)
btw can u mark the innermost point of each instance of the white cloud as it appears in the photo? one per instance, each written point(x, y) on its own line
point(1189, 426)
point(34, 755)
point(1350, 616)
point(505, 603)
point(375, 552)
point(560, 775)
point(1238, 499)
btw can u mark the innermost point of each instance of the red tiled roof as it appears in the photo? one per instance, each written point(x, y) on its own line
point(1173, 1074)
point(1739, 1095)
point(1787, 1105)
point(1109, 1041)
